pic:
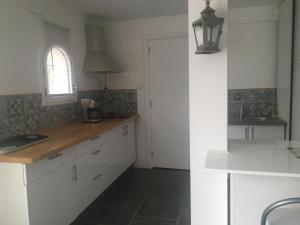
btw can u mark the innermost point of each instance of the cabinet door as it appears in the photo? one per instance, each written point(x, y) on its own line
point(118, 154)
point(130, 143)
point(51, 199)
point(267, 132)
point(238, 132)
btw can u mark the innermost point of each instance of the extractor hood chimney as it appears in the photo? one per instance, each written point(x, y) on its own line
point(96, 60)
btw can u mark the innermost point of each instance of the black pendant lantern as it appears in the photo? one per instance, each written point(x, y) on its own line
point(208, 30)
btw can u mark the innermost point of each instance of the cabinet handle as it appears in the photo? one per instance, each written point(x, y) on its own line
point(124, 131)
point(97, 177)
point(247, 133)
point(74, 173)
point(252, 133)
point(96, 152)
point(95, 138)
point(55, 156)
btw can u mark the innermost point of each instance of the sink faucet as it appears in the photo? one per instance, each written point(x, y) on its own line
point(241, 111)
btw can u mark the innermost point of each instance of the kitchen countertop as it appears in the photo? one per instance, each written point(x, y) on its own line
point(61, 138)
point(257, 122)
point(266, 158)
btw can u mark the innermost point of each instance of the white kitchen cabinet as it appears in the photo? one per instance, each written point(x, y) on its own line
point(52, 198)
point(130, 143)
point(256, 132)
point(54, 191)
point(267, 132)
point(238, 132)
point(91, 175)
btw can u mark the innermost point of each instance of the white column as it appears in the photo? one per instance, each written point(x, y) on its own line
point(208, 122)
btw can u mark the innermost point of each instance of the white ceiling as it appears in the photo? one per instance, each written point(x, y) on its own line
point(251, 3)
point(130, 9)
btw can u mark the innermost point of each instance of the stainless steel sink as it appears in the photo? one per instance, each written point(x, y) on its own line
point(256, 118)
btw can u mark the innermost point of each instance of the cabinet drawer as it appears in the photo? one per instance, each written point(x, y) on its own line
point(85, 146)
point(41, 168)
point(45, 166)
point(92, 175)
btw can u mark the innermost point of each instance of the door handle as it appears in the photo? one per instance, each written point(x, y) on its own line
point(252, 133)
point(55, 156)
point(96, 152)
point(97, 177)
point(74, 173)
point(247, 133)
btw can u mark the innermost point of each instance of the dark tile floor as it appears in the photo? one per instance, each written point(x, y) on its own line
point(142, 197)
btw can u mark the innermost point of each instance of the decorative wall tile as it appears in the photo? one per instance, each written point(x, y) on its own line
point(3, 107)
point(31, 123)
point(16, 126)
point(255, 102)
point(33, 103)
point(15, 105)
point(4, 131)
point(23, 114)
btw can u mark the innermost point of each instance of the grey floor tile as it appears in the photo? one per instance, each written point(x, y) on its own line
point(180, 177)
point(152, 221)
point(187, 201)
point(168, 191)
point(159, 208)
point(113, 214)
point(133, 194)
point(185, 218)
point(160, 190)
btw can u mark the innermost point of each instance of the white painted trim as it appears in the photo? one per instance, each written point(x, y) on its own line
point(147, 73)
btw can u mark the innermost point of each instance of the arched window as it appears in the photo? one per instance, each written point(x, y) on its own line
point(59, 72)
point(59, 80)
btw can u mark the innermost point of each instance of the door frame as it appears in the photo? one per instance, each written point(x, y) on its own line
point(147, 74)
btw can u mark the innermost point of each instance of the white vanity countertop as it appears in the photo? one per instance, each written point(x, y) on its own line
point(268, 158)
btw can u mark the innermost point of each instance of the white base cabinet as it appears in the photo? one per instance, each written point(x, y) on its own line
point(52, 199)
point(256, 132)
point(56, 190)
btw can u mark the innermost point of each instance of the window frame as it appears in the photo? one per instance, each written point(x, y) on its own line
point(58, 99)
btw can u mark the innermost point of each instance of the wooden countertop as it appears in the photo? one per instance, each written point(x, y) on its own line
point(61, 138)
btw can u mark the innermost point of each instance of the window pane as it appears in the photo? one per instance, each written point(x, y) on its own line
point(59, 72)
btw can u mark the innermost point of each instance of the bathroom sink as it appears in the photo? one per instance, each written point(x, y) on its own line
point(256, 119)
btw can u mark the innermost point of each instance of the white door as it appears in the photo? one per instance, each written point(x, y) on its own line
point(169, 93)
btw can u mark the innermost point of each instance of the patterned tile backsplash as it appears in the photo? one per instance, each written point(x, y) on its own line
point(23, 114)
point(255, 102)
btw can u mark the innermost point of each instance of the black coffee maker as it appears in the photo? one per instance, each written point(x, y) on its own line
point(91, 112)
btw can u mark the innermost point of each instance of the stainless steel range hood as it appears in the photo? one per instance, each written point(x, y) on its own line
point(96, 60)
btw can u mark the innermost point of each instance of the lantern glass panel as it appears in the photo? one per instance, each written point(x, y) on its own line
point(199, 35)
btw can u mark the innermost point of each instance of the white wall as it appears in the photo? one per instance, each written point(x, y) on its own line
point(296, 94)
point(284, 56)
point(22, 44)
point(125, 41)
point(208, 122)
point(252, 47)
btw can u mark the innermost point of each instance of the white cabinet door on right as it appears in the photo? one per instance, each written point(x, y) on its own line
point(267, 132)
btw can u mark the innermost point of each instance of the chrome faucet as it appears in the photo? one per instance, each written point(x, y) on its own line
point(241, 112)
point(276, 205)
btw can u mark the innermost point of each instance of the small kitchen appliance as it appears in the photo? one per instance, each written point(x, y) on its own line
point(91, 113)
